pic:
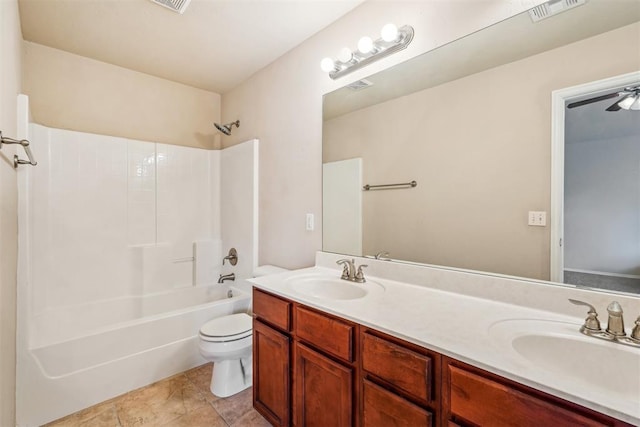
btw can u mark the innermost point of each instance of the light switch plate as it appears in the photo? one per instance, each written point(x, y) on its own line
point(310, 222)
point(538, 218)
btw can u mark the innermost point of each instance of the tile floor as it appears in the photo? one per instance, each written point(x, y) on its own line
point(183, 400)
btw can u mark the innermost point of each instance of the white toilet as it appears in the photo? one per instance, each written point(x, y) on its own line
point(226, 341)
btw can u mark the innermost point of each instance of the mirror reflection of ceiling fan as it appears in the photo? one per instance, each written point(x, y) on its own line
point(630, 99)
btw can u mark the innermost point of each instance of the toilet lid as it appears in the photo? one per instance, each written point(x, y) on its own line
point(235, 324)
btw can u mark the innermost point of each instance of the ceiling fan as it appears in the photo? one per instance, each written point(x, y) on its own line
point(630, 99)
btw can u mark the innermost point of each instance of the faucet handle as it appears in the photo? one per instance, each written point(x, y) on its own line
point(360, 275)
point(615, 309)
point(345, 268)
point(635, 333)
point(591, 322)
point(615, 324)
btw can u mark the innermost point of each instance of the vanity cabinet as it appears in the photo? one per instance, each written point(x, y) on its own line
point(399, 382)
point(271, 357)
point(324, 369)
point(318, 387)
point(312, 368)
point(474, 397)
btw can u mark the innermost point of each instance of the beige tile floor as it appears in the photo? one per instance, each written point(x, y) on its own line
point(183, 400)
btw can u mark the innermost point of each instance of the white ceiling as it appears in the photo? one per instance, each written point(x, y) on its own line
point(215, 45)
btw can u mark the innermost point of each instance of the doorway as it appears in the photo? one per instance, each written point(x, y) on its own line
point(595, 233)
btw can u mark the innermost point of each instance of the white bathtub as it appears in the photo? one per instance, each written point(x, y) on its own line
point(78, 359)
point(62, 324)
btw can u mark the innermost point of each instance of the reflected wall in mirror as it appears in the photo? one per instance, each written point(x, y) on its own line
point(471, 123)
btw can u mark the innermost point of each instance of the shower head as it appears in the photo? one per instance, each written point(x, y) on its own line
point(226, 129)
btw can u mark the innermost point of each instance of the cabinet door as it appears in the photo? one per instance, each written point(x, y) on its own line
point(322, 390)
point(383, 408)
point(271, 374)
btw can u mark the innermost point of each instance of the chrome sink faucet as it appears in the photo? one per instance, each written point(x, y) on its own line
point(350, 272)
point(615, 325)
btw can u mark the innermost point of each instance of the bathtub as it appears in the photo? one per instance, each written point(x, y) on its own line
point(76, 360)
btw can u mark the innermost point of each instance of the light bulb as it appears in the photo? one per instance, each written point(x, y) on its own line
point(365, 45)
point(389, 33)
point(345, 55)
point(327, 65)
point(626, 103)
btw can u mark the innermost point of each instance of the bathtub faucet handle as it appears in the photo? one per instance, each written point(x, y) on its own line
point(232, 257)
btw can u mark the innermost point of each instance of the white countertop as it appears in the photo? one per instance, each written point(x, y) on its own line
point(457, 325)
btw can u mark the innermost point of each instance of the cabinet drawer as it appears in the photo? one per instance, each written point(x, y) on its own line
point(383, 408)
point(327, 333)
point(482, 401)
point(272, 309)
point(405, 369)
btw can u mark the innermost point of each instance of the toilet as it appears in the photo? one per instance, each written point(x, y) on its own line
point(226, 341)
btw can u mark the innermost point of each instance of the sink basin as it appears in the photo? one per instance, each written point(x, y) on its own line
point(559, 349)
point(331, 288)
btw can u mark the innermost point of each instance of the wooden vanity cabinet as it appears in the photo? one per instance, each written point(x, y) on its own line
point(311, 368)
point(325, 373)
point(400, 381)
point(304, 370)
point(473, 397)
point(271, 357)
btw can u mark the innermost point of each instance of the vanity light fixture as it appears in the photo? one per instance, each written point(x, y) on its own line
point(392, 39)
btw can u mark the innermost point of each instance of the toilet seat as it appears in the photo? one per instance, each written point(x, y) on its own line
point(227, 328)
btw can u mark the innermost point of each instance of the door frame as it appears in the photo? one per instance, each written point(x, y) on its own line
point(558, 100)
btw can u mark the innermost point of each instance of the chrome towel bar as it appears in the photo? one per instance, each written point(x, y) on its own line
point(25, 144)
point(390, 186)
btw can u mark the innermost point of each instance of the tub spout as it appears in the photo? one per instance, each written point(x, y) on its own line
point(223, 277)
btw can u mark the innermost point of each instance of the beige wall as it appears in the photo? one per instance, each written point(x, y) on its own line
point(10, 45)
point(282, 106)
point(479, 148)
point(68, 91)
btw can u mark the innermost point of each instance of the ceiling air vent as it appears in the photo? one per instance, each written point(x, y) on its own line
point(553, 7)
point(360, 84)
point(176, 5)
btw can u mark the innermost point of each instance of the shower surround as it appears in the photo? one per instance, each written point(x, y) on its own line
point(120, 249)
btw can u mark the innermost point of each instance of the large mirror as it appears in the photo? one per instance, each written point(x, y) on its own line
point(470, 122)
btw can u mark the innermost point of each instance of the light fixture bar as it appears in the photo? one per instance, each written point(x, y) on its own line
point(381, 49)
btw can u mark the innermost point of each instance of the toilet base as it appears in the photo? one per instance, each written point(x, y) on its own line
point(231, 376)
